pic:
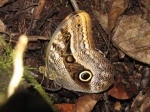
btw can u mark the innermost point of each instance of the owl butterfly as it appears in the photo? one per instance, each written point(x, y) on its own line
point(72, 61)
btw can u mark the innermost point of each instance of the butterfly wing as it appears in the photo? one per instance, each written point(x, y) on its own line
point(72, 61)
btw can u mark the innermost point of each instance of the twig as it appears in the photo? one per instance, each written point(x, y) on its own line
point(74, 4)
point(107, 105)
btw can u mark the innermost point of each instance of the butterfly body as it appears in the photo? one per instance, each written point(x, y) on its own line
point(72, 60)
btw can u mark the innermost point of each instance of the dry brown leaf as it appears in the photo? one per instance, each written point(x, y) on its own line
point(118, 91)
point(145, 82)
point(121, 90)
point(2, 27)
point(64, 107)
point(102, 19)
point(145, 6)
point(86, 103)
point(117, 8)
point(118, 106)
point(39, 9)
point(142, 102)
point(132, 36)
point(2, 2)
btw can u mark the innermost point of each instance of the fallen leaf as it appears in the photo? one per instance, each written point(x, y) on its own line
point(2, 2)
point(132, 36)
point(142, 102)
point(118, 91)
point(117, 106)
point(145, 82)
point(145, 6)
point(86, 103)
point(64, 107)
point(102, 19)
point(2, 27)
point(121, 91)
point(117, 8)
point(39, 9)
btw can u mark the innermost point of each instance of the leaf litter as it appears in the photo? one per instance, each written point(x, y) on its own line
point(124, 22)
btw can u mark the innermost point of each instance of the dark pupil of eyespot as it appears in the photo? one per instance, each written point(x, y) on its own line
point(85, 76)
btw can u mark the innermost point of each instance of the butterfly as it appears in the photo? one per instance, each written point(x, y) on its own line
point(72, 61)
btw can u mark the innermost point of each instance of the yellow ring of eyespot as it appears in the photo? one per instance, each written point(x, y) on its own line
point(85, 80)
